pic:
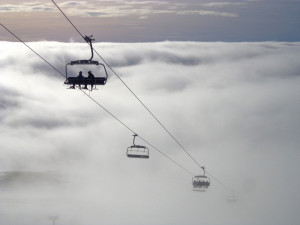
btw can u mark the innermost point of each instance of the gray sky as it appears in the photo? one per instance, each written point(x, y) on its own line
point(148, 21)
point(234, 106)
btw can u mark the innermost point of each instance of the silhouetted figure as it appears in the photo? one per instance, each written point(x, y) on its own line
point(92, 79)
point(195, 183)
point(79, 80)
point(206, 184)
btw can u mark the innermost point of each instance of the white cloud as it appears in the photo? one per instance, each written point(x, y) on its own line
point(26, 7)
point(210, 13)
point(223, 4)
point(234, 106)
point(112, 8)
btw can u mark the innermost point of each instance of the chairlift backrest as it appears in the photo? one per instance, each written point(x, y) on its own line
point(84, 62)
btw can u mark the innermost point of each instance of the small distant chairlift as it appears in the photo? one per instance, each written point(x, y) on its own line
point(201, 182)
point(232, 198)
point(137, 151)
point(74, 80)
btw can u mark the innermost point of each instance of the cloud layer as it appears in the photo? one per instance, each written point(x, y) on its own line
point(114, 8)
point(234, 106)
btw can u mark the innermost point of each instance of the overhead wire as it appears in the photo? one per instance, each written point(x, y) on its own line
point(115, 73)
point(142, 103)
point(32, 49)
point(132, 92)
point(100, 105)
point(68, 19)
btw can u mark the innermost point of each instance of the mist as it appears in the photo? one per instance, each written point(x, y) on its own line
point(233, 106)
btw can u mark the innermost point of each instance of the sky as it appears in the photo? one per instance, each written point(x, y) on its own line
point(152, 20)
point(222, 76)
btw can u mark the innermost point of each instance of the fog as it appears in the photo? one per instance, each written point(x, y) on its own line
point(233, 106)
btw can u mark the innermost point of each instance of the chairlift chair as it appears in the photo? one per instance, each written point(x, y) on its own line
point(97, 68)
point(231, 198)
point(137, 151)
point(201, 182)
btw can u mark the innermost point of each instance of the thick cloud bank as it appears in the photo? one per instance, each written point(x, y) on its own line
point(233, 106)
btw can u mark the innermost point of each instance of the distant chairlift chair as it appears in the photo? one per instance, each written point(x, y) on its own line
point(137, 151)
point(201, 182)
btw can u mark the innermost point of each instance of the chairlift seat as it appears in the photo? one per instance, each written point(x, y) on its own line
point(85, 80)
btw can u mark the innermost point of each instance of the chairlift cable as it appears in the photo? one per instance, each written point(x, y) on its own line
point(167, 156)
point(220, 182)
point(100, 105)
point(172, 136)
point(68, 19)
point(32, 50)
point(114, 72)
point(164, 127)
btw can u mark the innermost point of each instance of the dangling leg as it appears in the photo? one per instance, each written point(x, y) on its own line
point(72, 87)
point(85, 86)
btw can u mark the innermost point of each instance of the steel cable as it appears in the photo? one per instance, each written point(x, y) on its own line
point(100, 105)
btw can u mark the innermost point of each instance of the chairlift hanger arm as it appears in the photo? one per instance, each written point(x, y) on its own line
point(89, 40)
point(202, 167)
point(134, 135)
